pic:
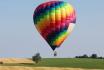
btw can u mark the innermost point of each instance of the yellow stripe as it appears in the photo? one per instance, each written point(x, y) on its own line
point(69, 9)
point(61, 38)
point(58, 14)
point(63, 13)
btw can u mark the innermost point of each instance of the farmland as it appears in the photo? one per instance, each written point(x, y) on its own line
point(61, 63)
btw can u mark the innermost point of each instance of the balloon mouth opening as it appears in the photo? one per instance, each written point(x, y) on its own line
point(54, 47)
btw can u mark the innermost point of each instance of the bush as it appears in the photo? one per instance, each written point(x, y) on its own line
point(1, 62)
point(94, 56)
point(100, 57)
point(36, 58)
point(84, 56)
point(76, 56)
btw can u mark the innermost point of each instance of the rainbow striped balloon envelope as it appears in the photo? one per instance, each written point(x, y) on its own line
point(54, 20)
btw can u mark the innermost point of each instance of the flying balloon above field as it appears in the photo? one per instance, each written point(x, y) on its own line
point(54, 20)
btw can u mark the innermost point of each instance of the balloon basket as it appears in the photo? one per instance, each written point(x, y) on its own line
point(55, 53)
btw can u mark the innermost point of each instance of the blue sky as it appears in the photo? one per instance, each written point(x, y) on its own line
point(19, 37)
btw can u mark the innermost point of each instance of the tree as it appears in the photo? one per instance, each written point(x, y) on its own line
point(100, 57)
point(76, 56)
point(85, 56)
point(1, 62)
point(94, 56)
point(36, 58)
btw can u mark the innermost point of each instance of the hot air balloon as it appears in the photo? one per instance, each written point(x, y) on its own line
point(54, 20)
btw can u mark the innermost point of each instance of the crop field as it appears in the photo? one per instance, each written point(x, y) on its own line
point(52, 64)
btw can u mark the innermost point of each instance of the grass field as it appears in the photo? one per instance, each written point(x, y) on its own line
point(63, 62)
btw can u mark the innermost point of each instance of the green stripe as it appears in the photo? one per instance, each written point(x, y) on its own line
point(58, 36)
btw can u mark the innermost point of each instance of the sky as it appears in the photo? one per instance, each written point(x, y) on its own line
point(19, 37)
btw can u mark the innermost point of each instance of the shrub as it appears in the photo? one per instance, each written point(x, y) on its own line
point(84, 56)
point(1, 62)
point(94, 56)
point(36, 58)
point(100, 57)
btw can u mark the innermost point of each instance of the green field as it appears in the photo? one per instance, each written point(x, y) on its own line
point(65, 62)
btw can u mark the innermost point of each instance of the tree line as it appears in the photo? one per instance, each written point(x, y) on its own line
point(94, 56)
